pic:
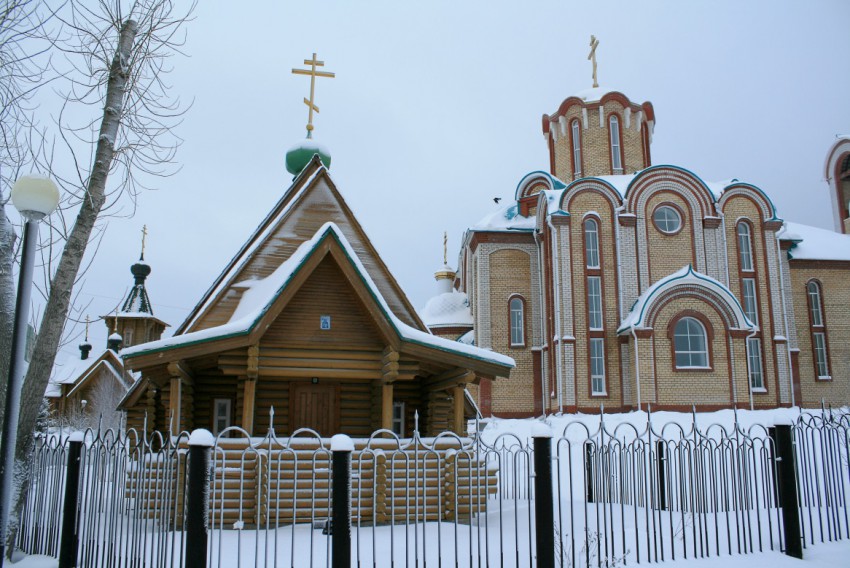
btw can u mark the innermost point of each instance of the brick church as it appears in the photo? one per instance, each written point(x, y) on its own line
point(613, 281)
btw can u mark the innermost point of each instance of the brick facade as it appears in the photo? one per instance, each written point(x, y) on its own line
point(636, 257)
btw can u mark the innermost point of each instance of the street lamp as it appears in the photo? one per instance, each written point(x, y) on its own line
point(35, 197)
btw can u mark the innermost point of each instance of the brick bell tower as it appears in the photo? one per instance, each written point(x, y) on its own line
point(598, 132)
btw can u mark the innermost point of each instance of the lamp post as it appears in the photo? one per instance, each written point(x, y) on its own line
point(35, 197)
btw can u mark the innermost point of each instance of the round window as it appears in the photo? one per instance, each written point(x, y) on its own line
point(667, 219)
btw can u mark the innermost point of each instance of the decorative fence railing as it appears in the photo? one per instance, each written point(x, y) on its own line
point(585, 493)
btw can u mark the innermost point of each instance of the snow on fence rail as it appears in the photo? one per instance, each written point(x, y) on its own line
point(622, 493)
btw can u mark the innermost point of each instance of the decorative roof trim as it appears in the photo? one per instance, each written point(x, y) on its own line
point(635, 320)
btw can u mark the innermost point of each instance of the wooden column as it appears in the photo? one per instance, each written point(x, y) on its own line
point(175, 398)
point(387, 407)
point(389, 373)
point(457, 410)
point(249, 394)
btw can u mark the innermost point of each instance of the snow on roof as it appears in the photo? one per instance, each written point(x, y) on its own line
point(448, 309)
point(260, 295)
point(468, 338)
point(72, 367)
point(596, 93)
point(636, 319)
point(506, 218)
point(259, 237)
point(814, 243)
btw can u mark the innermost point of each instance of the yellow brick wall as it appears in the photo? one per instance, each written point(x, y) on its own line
point(669, 253)
point(581, 204)
point(596, 149)
point(835, 296)
point(510, 273)
point(675, 387)
point(734, 209)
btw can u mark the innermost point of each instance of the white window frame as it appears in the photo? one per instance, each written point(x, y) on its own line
point(576, 133)
point(127, 337)
point(691, 351)
point(819, 349)
point(662, 224)
point(745, 247)
point(217, 417)
point(517, 319)
point(614, 138)
point(754, 368)
point(597, 380)
point(595, 317)
point(748, 293)
point(815, 305)
point(398, 418)
point(591, 243)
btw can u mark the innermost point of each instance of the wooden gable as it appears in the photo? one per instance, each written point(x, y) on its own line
point(309, 203)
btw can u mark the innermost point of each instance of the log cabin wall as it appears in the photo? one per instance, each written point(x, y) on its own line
point(209, 386)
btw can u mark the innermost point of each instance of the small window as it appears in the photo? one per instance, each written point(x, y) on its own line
point(822, 367)
point(745, 246)
point(597, 366)
point(614, 132)
point(221, 415)
point(576, 135)
point(667, 219)
point(748, 288)
point(517, 322)
point(690, 345)
point(591, 243)
point(594, 302)
point(815, 304)
point(398, 418)
point(818, 329)
point(754, 360)
point(128, 337)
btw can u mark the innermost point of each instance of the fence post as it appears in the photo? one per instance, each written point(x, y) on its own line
point(788, 490)
point(198, 498)
point(70, 539)
point(342, 447)
point(588, 472)
point(661, 458)
point(544, 501)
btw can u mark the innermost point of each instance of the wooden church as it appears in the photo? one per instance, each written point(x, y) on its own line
point(306, 328)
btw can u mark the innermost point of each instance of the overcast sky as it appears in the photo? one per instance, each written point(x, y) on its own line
point(436, 109)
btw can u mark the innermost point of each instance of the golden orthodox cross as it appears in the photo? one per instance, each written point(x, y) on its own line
point(313, 73)
point(144, 234)
point(445, 248)
point(594, 43)
point(87, 328)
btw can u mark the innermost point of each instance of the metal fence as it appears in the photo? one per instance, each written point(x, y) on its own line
point(589, 493)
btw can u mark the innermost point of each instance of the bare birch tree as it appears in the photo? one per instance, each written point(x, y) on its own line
point(114, 57)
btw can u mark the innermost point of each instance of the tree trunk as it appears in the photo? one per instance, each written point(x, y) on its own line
point(61, 286)
point(7, 299)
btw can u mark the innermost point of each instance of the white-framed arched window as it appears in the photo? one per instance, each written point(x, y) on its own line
point(614, 136)
point(690, 343)
point(591, 243)
point(575, 130)
point(820, 346)
point(745, 246)
point(516, 307)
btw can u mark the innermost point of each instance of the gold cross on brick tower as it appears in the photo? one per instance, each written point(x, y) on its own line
point(594, 43)
point(313, 73)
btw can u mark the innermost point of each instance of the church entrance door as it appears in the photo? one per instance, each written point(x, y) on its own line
point(315, 407)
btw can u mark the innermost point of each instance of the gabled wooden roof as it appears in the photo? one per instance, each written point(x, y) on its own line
point(268, 297)
point(108, 361)
point(310, 201)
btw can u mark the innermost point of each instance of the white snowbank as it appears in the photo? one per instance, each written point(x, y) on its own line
point(814, 243)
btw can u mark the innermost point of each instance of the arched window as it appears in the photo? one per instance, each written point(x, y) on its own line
point(576, 140)
point(647, 157)
point(745, 246)
point(818, 330)
point(690, 343)
point(517, 317)
point(591, 243)
point(614, 134)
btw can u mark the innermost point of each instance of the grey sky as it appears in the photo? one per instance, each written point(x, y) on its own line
point(436, 109)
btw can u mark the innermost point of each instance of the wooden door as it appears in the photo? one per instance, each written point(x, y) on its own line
point(315, 407)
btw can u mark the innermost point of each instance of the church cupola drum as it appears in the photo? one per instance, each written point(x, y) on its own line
point(598, 132)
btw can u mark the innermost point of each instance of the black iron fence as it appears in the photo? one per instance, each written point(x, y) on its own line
point(582, 493)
